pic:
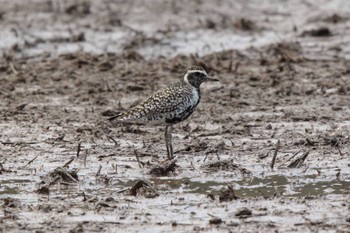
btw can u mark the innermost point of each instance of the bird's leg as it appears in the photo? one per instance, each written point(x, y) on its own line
point(171, 141)
point(167, 141)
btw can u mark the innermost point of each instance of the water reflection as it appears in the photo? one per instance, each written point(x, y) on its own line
point(255, 187)
point(12, 186)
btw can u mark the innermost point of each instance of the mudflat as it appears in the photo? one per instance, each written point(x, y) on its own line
point(266, 150)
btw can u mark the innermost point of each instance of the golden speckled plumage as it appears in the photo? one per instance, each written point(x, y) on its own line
point(169, 105)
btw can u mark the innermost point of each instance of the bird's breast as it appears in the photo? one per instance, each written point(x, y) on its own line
point(190, 102)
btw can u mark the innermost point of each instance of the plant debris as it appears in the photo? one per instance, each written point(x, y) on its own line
point(59, 175)
point(320, 32)
point(145, 188)
point(299, 161)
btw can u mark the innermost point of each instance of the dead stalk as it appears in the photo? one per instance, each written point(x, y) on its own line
point(69, 162)
point(30, 162)
point(275, 154)
point(78, 150)
point(98, 173)
point(137, 158)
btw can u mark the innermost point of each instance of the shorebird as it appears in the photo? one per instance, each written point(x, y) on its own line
point(169, 106)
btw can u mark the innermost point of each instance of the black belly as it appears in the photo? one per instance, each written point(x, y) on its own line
point(181, 117)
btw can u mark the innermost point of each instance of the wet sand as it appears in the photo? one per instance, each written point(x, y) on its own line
point(283, 96)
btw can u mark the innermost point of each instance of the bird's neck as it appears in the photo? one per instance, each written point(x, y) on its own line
point(198, 90)
point(192, 83)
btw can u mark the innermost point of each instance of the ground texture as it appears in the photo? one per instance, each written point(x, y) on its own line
point(266, 150)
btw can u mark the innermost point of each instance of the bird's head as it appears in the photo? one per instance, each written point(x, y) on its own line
point(196, 75)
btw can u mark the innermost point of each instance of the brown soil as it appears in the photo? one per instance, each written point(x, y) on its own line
point(64, 169)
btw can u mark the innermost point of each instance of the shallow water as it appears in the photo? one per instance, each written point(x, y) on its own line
point(252, 187)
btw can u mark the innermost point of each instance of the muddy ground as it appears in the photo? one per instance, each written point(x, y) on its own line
point(267, 149)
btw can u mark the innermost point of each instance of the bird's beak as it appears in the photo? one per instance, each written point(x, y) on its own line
point(212, 79)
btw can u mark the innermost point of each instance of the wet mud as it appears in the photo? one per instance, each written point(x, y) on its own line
point(266, 150)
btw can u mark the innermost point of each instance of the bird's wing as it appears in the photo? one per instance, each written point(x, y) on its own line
point(161, 103)
point(169, 99)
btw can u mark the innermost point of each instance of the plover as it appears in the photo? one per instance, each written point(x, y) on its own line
point(169, 106)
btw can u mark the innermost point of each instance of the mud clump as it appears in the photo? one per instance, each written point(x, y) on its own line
point(163, 169)
point(245, 24)
point(320, 32)
point(59, 175)
point(243, 213)
point(215, 221)
point(286, 52)
point(224, 165)
point(10, 203)
point(144, 188)
point(227, 194)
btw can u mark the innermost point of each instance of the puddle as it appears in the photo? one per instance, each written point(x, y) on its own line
point(14, 186)
point(246, 188)
point(256, 187)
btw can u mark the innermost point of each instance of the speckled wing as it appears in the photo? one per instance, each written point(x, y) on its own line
point(166, 103)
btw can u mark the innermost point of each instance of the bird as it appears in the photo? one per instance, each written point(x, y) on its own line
point(168, 106)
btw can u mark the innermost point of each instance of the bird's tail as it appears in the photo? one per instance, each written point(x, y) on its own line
point(115, 118)
point(134, 115)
